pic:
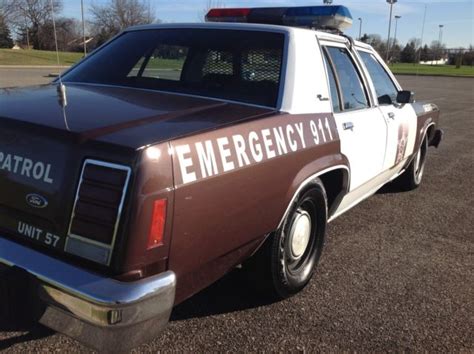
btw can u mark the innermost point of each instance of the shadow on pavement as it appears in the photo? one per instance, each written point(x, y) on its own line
point(390, 188)
point(18, 313)
point(234, 292)
point(32, 331)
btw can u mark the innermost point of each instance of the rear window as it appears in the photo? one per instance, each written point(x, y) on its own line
point(241, 66)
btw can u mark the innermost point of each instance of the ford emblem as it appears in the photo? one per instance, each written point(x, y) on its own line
point(36, 201)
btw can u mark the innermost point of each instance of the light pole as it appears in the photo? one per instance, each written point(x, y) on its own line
point(440, 34)
point(360, 28)
point(391, 2)
point(396, 27)
point(440, 45)
point(83, 28)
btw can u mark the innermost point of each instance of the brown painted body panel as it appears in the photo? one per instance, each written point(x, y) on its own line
point(126, 117)
point(426, 119)
point(226, 216)
point(60, 151)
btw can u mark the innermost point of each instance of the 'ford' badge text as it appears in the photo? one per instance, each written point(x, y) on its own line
point(36, 201)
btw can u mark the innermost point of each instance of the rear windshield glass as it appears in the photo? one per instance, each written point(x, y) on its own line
point(241, 66)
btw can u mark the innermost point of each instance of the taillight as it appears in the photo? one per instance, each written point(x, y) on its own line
point(157, 227)
point(97, 210)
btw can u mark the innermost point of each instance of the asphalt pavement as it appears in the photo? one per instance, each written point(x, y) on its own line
point(16, 76)
point(397, 273)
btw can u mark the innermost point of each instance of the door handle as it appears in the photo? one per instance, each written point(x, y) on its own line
point(348, 126)
point(391, 115)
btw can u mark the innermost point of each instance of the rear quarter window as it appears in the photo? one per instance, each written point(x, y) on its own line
point(352, 89)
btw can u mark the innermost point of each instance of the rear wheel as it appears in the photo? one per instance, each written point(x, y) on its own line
point(286, 262)
point(412, 177)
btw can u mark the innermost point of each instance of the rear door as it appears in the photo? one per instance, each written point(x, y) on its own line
point(361, 127)
point(401, 119)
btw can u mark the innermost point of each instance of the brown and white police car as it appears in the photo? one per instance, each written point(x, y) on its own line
point(175, 153)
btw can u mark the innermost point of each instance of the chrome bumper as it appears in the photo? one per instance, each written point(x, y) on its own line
point(100, 312)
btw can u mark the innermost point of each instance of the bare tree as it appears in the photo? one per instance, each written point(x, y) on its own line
point(375, 40)
point(116, 15)
point(6, 9)
point(30, 16)
point(5, 35)
point(437, 50)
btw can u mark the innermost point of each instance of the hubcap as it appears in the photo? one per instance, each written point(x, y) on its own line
point(417, 161)
point(300, 234)
point(419, 166)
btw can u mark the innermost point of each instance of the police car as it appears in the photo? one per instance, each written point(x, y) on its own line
point(176, 152)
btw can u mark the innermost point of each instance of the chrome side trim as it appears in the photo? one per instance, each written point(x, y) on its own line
point(306, 182)
point(84, 239)
point(357, 201)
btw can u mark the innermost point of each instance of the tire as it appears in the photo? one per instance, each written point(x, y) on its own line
point(412, 177)
point(286, 262)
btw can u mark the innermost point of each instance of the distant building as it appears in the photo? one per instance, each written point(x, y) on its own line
point(16, 47)
point(443, 61)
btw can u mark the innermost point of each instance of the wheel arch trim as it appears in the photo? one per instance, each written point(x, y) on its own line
point(422, 133)
point(308, 181)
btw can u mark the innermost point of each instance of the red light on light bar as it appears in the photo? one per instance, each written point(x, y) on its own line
point(236, 14)
point(157, 228)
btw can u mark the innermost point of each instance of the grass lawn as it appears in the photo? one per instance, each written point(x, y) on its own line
point(42, 57)
point(36, 57)
point(437, 70)
point(169, 64)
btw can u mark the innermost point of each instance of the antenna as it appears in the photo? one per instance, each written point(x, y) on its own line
point(61, 88)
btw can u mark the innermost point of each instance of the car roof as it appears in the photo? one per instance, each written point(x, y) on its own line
point(322, 35)
point(214, 25)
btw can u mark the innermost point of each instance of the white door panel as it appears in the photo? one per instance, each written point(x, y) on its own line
point(363, 144)
point(401, 134)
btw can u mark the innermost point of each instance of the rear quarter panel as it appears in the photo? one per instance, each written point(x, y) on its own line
point(226, 206)
point(427, 119)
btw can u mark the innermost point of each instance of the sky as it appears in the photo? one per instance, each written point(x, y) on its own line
point(457, 16)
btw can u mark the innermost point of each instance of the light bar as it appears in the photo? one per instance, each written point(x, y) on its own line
point(227, 15)
point(324, 17)
point(319, 17)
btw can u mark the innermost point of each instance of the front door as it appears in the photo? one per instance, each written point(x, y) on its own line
point(401, 119)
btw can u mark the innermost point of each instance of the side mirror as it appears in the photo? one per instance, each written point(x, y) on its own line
point(404, 97)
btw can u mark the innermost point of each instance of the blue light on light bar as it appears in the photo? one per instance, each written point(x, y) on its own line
point(324, 17)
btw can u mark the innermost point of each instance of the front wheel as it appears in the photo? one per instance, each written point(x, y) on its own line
point(286, 262)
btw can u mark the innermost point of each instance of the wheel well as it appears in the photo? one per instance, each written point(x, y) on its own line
point(430, 132)
point(335, 183)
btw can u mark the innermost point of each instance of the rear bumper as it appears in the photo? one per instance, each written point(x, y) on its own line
point(100, 312)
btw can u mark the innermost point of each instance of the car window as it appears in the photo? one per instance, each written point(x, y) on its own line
point(166, 62)
point(353, 93)
point(332, 85)
point(243, 66)
point(384, 85)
